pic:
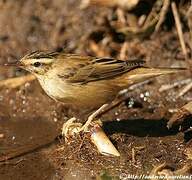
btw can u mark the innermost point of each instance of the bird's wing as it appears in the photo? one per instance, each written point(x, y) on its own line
point(86, 69)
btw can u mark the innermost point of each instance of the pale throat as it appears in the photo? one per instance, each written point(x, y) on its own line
point(53, 85)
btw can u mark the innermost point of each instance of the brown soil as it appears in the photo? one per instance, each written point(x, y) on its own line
point(30, 122)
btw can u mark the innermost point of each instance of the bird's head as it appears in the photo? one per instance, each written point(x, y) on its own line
point(36, 62)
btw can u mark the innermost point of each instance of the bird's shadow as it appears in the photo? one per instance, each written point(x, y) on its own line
point(140, 127)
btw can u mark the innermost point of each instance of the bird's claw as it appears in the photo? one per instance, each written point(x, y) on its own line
point(70, 128)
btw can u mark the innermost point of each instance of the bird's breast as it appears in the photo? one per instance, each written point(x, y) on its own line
point(54, 87)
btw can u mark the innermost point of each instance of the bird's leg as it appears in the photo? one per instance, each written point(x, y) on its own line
point(92, 117)
point(70, 127)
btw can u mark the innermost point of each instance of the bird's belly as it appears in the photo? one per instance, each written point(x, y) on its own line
point(86, 96)
point(92, 95)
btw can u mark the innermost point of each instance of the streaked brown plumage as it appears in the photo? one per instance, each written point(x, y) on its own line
point(83, 81)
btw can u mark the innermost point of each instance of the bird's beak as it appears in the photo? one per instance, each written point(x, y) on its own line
point(16, 64)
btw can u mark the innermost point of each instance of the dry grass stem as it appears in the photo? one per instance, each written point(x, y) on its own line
point(185, 89)
point(180, 116)
point(179, 28)
point(189, 18)
point(162, 15)
point(133, 154)
point(123, 51)
point(166, 87)
point(125, 4)
point(17, 81)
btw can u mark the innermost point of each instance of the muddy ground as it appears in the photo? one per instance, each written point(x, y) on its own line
point(30, 121)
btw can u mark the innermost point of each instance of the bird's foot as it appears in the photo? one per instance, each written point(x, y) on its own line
point(70, 128)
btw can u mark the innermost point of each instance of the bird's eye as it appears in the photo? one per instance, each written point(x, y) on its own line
point(37, 64)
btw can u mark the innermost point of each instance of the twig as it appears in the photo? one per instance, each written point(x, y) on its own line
point(17, 81)
point(123, 51)
point(121, 16)
point(133, 154)
point(135, 151)
point(125, 4)
point(179, 28)
point(189, 18)
point(180, 116)
point(163, 12)
point(135, 86)
point(166, 87)
point(185, 89)
point(189, 11)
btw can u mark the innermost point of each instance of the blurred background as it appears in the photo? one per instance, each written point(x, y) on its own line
point(158, 31)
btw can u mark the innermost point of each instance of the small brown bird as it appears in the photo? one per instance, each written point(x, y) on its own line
point(86, 82)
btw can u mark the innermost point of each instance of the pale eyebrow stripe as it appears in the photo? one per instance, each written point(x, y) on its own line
point(43, 60)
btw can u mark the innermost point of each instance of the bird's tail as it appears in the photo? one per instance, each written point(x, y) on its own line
point(143, 73)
